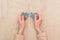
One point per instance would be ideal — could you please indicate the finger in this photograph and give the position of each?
(20, 18)
(35, 18)
(23, 18)
(40, 18)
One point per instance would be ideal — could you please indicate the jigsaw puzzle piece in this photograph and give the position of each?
(32, 15)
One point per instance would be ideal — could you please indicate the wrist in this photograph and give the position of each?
(38, 30)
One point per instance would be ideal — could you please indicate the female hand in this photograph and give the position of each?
(37, 22)
(21, 25)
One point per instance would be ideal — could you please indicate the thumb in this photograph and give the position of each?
(22, 18)
(35, 18)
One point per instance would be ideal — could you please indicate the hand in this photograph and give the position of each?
(21, 22)
(42, 36)
(37, 22)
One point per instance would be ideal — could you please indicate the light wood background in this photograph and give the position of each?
(10, 10)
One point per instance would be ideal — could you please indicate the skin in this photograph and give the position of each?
(41, 35)
(37, 22)
(21, 24)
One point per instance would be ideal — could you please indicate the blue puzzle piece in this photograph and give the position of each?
(25, 14)
(32, 15)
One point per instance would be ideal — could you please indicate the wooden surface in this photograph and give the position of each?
(10, 10)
